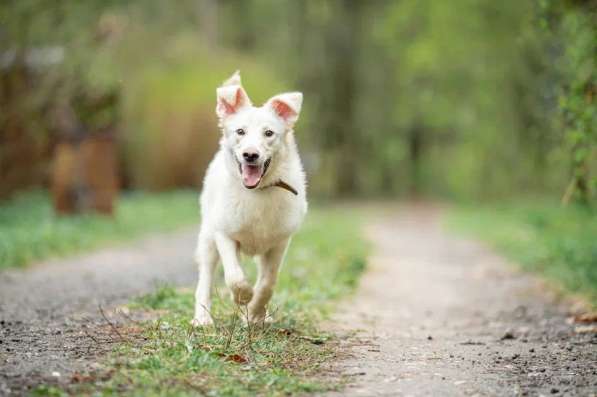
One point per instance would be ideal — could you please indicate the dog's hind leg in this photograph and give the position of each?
(206, 257)
(229, 251)
(269, 264)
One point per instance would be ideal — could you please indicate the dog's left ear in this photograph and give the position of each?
(287, 106)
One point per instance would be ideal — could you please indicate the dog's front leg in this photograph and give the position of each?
(242, 292)
(207, 258)
(269, 263)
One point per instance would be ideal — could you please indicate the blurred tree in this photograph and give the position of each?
(574, 27)
(46, 48)
(342, 46)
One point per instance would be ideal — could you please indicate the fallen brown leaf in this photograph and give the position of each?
(81, 378)
(237, 358)
(587, 318)
(284, 331)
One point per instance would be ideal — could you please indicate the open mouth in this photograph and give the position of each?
(252, 174)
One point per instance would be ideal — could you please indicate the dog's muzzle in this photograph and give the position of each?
(252, 174)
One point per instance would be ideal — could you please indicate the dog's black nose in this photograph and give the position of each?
(250, 157)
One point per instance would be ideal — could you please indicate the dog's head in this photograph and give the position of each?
(254, 135)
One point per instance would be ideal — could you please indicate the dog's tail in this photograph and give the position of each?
(233, 80)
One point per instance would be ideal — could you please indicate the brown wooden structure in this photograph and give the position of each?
(85, 175)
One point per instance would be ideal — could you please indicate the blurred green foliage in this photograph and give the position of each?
(30, 231)
(424, 98)
(463, 99)
(575, 24)
(557, 242)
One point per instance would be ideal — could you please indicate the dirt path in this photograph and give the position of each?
(442, 316)
(50, 319)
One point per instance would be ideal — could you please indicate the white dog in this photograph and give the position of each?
(253, 200)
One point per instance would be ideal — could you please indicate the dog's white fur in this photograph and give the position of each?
(259, 220)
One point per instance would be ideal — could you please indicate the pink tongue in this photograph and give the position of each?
(251, 175)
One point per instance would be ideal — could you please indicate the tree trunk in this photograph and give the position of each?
(344, 44)
(415, 149)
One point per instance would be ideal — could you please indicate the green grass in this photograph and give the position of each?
(323, 263)
(29, 230)
(558, 243)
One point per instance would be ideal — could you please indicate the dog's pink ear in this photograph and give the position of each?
(287, 106)
(231, 99)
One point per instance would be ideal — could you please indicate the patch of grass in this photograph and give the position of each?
(559, 243)
(323, 263)
(48, 391)
(30, 231)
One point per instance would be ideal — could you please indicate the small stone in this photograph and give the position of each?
(508, 335)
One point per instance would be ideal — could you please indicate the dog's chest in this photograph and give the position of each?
(264, 220)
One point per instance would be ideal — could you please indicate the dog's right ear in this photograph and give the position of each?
(232, 97)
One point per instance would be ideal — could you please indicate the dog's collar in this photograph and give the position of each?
(283, 185)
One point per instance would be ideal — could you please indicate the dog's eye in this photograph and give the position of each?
(269, 133)
(240, 131)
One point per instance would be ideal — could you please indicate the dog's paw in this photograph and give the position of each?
(202, 321)
(242, 292)
(258, 317)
